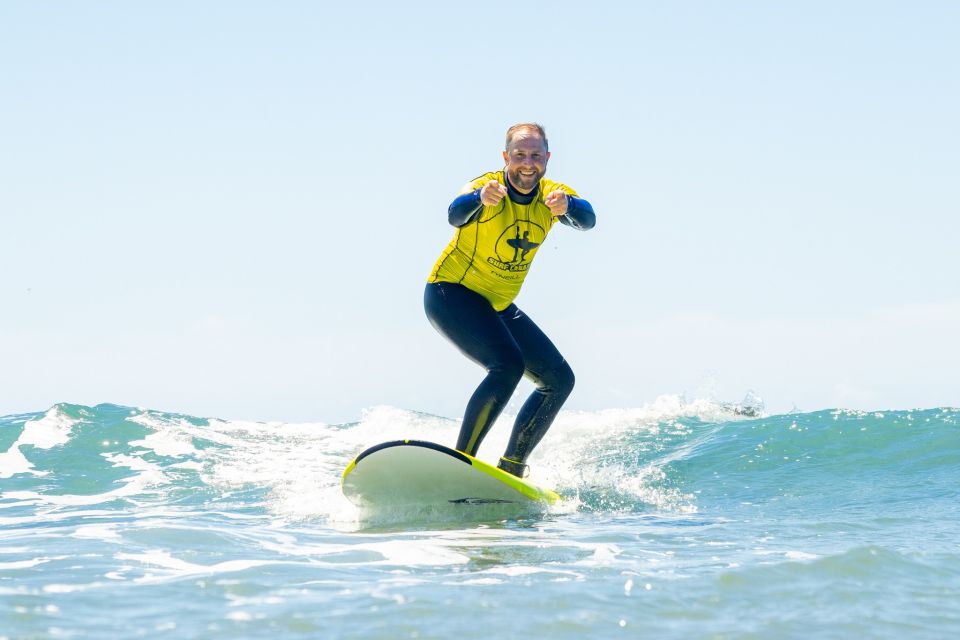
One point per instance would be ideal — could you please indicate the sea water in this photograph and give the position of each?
(679, 520)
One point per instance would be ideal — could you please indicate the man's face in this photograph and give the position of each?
(526, 161)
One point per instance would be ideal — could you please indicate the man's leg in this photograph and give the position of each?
(466, 319)
(553, 377)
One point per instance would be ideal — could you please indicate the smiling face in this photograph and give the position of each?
(526, 161)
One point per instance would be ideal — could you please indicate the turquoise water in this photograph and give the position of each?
(680, 520)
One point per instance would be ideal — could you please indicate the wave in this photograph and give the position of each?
(839, 459)
(671, 456)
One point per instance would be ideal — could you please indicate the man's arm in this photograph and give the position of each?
(464, 208)
(579, 214)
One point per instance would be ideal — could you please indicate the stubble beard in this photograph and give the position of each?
(524, 183)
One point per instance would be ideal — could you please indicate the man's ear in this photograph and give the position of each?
(506, 158)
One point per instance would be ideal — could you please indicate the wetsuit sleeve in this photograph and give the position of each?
(464, 208)
(579, 214)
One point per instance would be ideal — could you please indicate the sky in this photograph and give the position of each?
(230, 208)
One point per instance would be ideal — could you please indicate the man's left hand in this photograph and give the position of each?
(557, 202)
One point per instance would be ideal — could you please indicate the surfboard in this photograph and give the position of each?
(417, 473)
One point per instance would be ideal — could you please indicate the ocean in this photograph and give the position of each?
(680, 519)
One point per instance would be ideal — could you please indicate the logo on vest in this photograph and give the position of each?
(516, 245)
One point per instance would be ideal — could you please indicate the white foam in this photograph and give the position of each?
(293, 462)
(149, 474)
(604, 553)
(480, 582)
(14, 549)
(51, 430)
(13, 462)
(414, 553)
(522, 570)
(239, 616)
(583, 451)
(191, 466)
(167, 444)
(64, 588)
(25, 564)
(42, 517)
(404, 553)
(105, 532)
(299, 465)
(176, 568)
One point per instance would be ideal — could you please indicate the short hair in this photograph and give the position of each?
(527, 127)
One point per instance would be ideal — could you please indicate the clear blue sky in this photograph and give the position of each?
(230, 208)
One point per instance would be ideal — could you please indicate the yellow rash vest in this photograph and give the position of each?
(491, 254)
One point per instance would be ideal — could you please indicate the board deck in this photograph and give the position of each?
(417, 473)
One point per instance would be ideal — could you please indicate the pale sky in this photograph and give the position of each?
(230, 208)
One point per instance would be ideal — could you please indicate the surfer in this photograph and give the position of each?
(501, 219)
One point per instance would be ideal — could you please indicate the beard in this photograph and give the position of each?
(524, 183)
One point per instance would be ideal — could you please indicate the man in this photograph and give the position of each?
(502, 218)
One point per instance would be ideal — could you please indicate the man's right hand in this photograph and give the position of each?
(492, 193)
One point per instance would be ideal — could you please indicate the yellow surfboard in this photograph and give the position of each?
(416, 473)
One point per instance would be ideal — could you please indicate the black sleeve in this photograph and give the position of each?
(579, 214)
(464, 208)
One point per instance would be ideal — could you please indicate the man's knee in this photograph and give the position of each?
(510, 368)
(559, 380)
(567, 378)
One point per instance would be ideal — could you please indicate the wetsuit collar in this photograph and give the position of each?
(516, 196)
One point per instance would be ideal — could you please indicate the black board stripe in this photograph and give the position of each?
(453, 453)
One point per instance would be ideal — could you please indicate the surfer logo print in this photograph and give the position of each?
(492, 254)
(517, 245)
